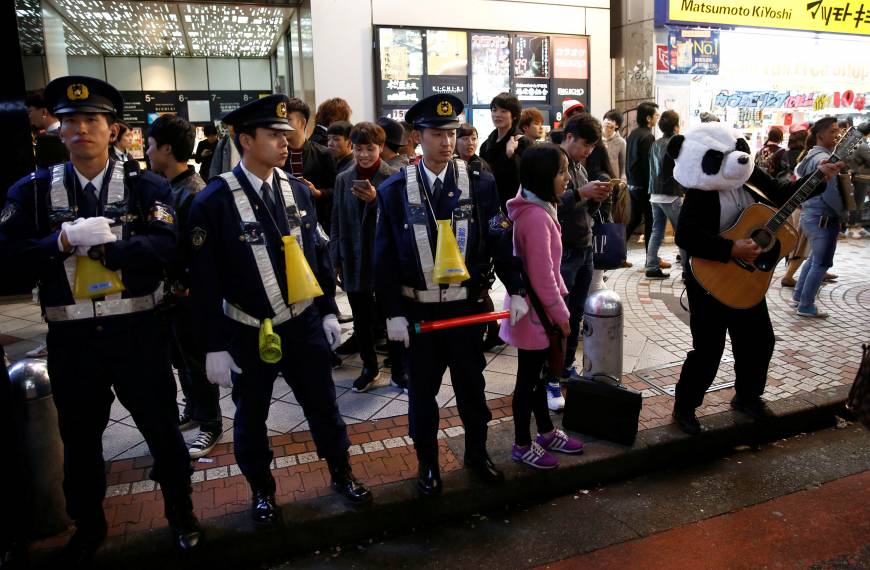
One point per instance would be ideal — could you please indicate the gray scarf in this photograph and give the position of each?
(550, 208)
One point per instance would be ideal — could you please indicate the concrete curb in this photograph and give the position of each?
(322, 523)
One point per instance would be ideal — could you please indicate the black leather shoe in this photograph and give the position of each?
(429, 479)
(263, 509)
(484, 468)
(686, 421)
(82, 546)
(186, 532)
(755, 408)
(344, 483)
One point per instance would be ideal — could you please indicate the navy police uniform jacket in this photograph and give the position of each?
(28, 233)
(223, 265)
(490, 239)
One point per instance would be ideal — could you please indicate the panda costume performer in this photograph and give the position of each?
(713, 163)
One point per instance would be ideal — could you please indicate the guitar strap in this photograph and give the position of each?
(761, 196)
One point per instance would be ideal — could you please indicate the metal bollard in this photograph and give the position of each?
(37, 432)
(602, 335)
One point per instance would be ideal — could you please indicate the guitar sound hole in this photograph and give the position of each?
(763, 238)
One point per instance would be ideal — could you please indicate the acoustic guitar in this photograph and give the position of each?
(742, 284)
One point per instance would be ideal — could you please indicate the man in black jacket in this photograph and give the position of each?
(504, 146)
(638, 146)
(310, 162)
(170, 143)
(582, 133)
(666, 194)
(49, 149)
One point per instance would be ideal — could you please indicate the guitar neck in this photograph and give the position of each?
(798, 197)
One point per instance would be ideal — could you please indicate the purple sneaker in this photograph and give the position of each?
(535, 456)
(560, 441)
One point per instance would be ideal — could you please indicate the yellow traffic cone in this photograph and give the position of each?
(449, 265)
(93, 279)
(301, 282)
(270, 343)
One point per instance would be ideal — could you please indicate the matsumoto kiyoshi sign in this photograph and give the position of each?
(831, 16)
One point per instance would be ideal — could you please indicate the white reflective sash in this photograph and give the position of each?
(271, 287)
(293, 217)
(58, 196)
(59, 205)
(421, 226)
(116, 185)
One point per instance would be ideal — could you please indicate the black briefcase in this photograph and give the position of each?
(602, 408)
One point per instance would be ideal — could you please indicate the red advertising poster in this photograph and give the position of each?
(661, 57)
(570, 58)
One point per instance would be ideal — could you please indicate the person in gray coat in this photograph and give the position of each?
(351, 246)
(225, 156)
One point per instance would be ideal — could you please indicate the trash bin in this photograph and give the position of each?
(602, 335)
(41, 450)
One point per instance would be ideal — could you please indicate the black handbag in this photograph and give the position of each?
(603, 408)
(608, 244)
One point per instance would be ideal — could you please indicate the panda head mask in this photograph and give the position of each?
(711, 156)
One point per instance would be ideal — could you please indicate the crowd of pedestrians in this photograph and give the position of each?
(365, 203)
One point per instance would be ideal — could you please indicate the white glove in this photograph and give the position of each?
(87, 232)
(518, 309)
(332, 330)
(218, 366)
(397, 330)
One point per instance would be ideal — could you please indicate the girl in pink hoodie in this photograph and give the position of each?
(538, 242)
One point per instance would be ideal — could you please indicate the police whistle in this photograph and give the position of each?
(429, 326)
(270, 343)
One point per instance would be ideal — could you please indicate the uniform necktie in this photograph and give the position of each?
(91, 200)
(266, 191)
(436, 190)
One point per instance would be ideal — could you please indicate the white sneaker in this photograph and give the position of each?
(555, 399)
(203, 444)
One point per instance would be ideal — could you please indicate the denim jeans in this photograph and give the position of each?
(823, 244)
(576, 272)
(661, 213)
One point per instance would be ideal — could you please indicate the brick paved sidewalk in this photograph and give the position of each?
(810, 355)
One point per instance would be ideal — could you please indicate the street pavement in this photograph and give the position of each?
(813, 359)
(795, 503)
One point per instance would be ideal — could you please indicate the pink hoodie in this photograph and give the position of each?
(538, 242)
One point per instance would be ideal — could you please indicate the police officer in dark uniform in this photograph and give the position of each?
(239, 280)
(409, 202)
(53, 220)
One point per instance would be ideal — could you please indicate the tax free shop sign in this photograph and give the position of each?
(825, 16)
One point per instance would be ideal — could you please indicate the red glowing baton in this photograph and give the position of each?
(424, 327)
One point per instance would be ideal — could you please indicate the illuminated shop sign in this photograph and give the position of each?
(847, 99)
(829, 16)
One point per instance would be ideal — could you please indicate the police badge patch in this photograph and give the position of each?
(7, 214)
(161, 213)
(499, 223)
(197, 237)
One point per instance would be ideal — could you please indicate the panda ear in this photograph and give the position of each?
(674, 146)
(742, 145)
